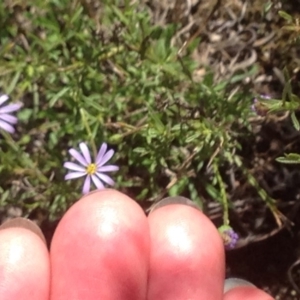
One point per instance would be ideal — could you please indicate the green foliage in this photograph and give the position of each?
(290, 102)
(291, 158)
(292, 25)
(109, 75)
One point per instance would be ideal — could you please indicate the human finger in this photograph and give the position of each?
(100, 249)
(247, 293)
(186, 254)
(239, 289)
(24, 261)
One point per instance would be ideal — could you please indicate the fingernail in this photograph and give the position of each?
(24, 223)
(174, 200)
(231, 283)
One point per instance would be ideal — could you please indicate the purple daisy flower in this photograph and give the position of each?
(92, 170)
(6, 119)
(229, 236)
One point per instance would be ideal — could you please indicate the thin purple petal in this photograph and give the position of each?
(109, 168)
(107, 156)
(85, 152)
(73, 175)
(9, 118)
(3, 98)
(78, 156)
(10, 108)
(74, 167)
(7, 127)
(101, 153)
(86, 185)
(97, 182)
(105, 178)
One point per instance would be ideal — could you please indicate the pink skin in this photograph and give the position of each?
(24, 265)
(184, 253)
(105, 255)
(106, 248)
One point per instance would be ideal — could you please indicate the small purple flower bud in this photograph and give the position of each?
(257, 107)
(229, 236)
(254, 102)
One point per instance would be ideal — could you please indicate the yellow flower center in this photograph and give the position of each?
(91, 169)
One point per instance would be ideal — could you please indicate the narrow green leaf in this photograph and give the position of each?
(289, 27)
(295, 121)
(160, 127)
(14, 82)
(120, 16)
(76, 15)
(213, 192)
(285, 15)
(291, 158)
(268, 6)
(179, 187)
(287, 90)
(56, 97)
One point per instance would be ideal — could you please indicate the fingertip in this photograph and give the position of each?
(246, 293)
(24, 261)
(20, 222)
(187, 255)
(101, 249)
(233, 282)
(174, 200)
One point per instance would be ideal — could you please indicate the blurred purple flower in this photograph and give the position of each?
(254, 102)
(92, 170)
(229, 236)
(6, 119)
(255, 107)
